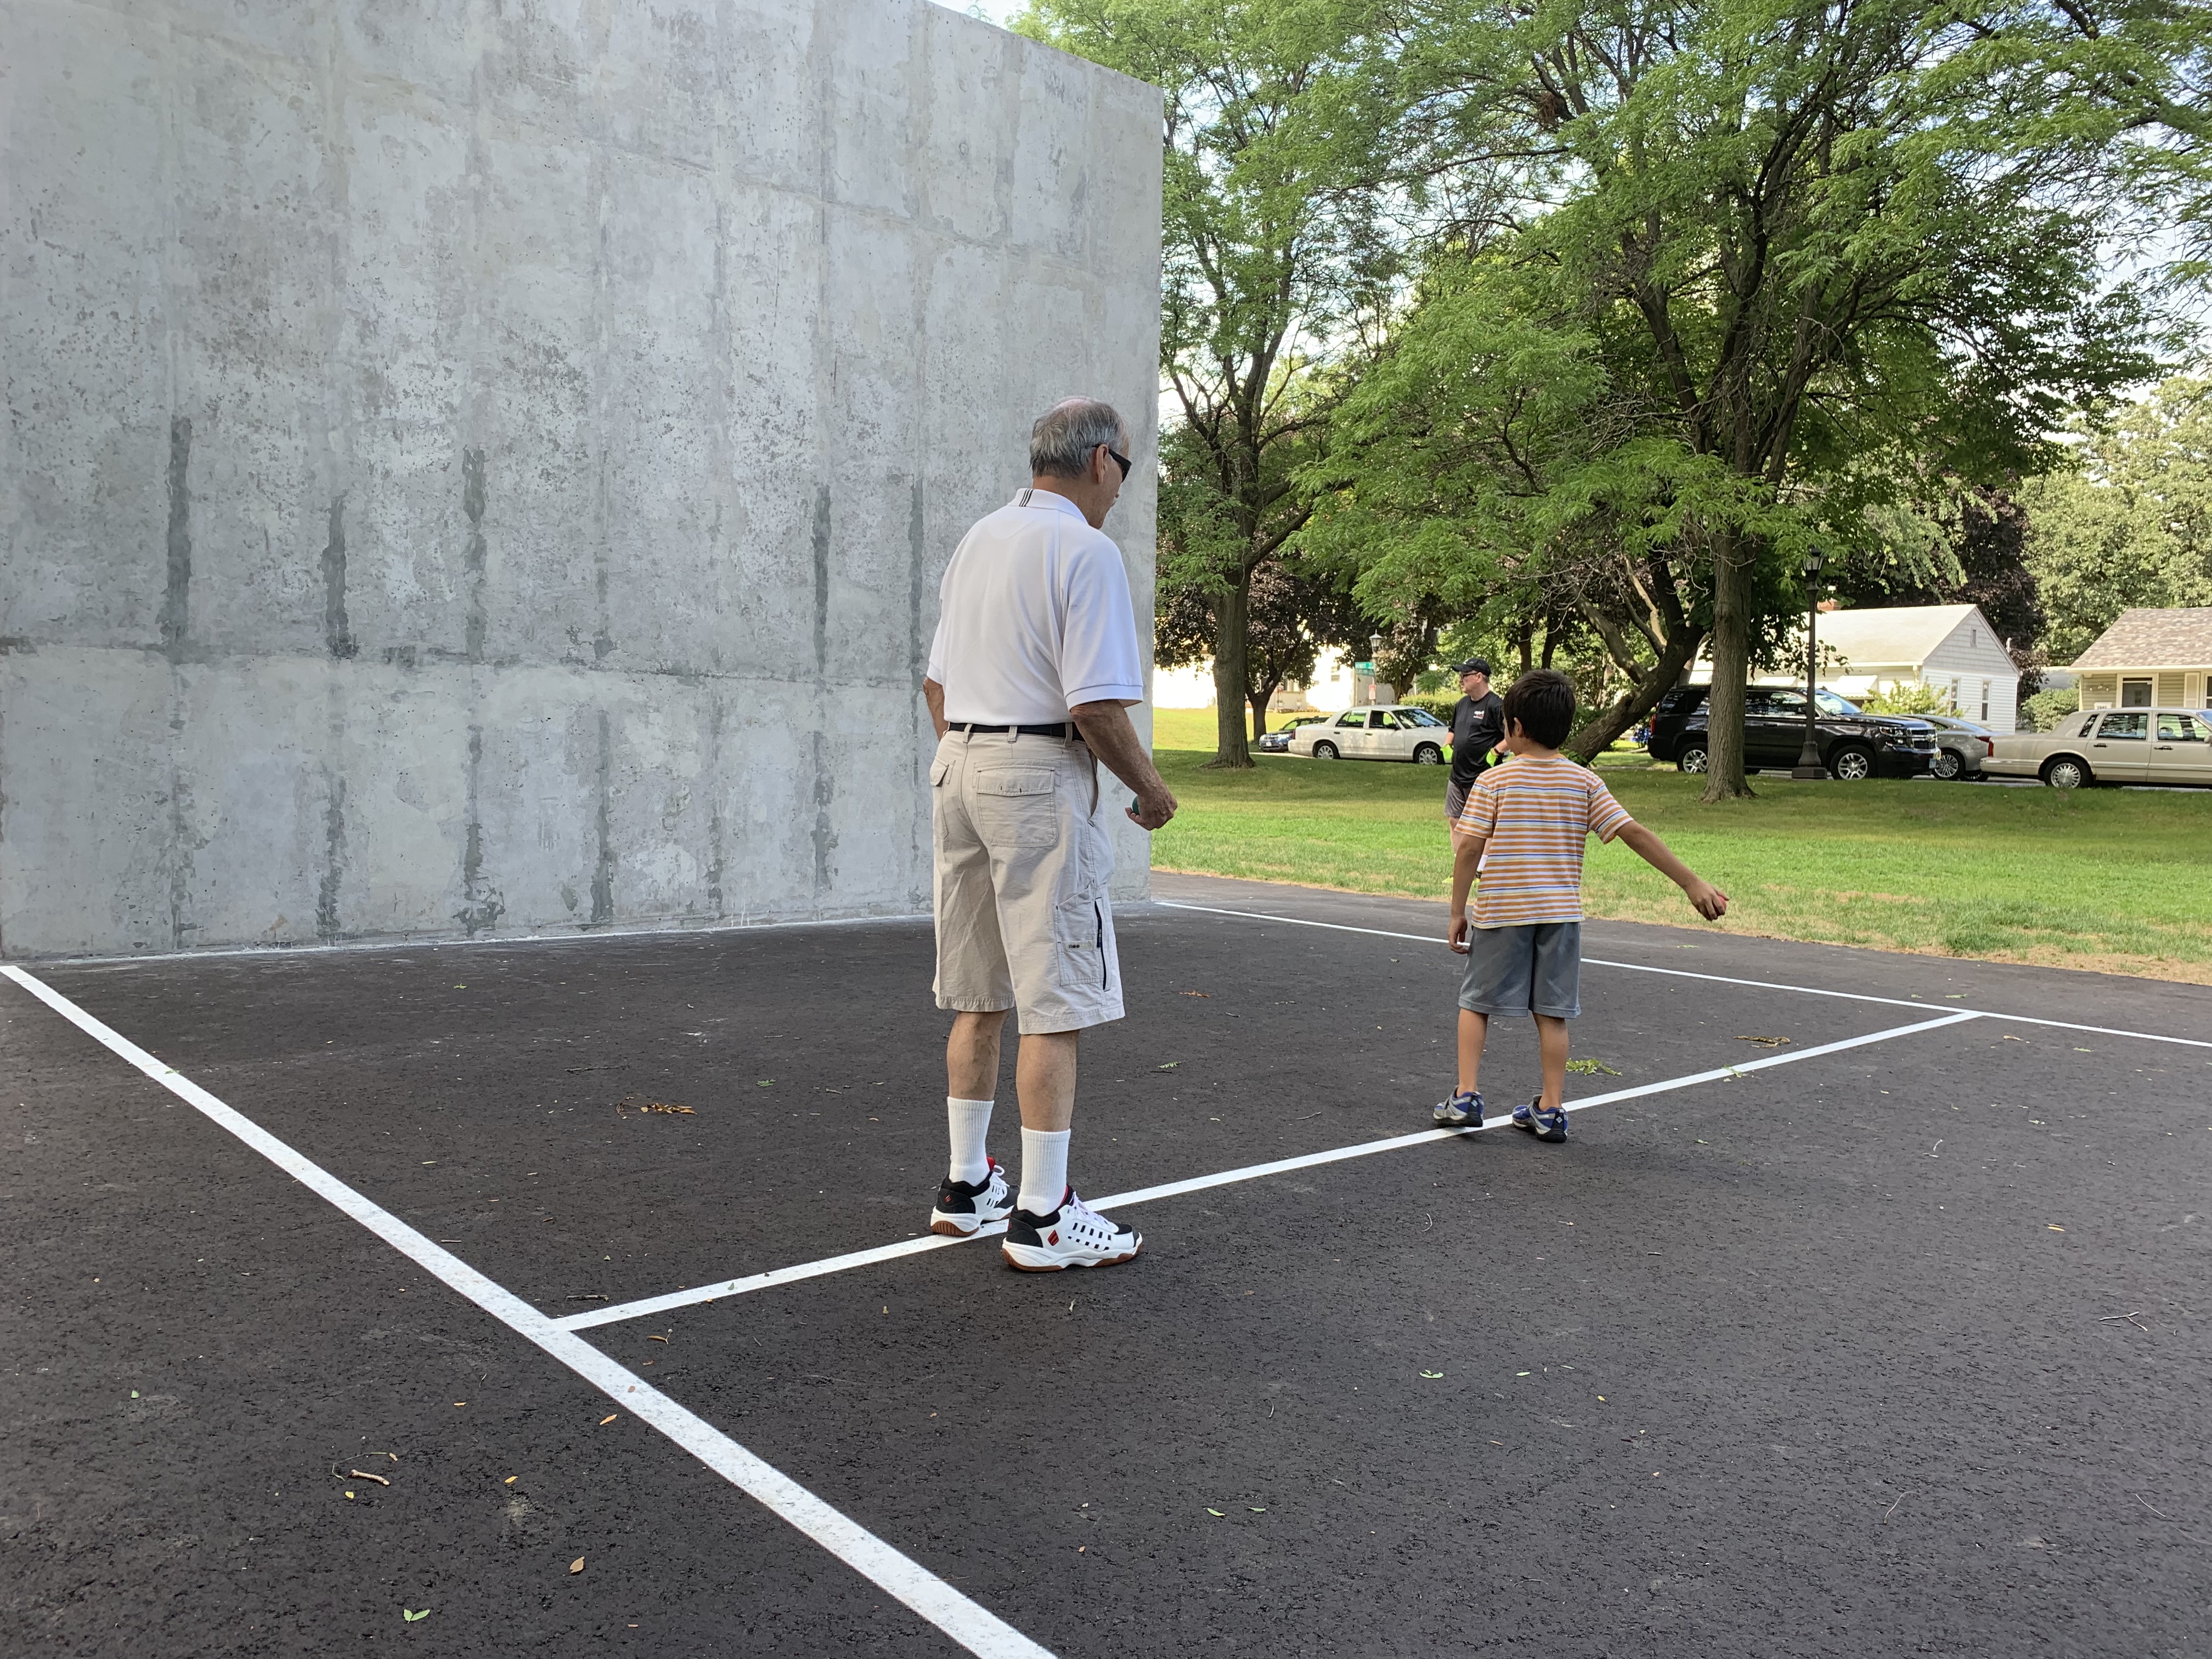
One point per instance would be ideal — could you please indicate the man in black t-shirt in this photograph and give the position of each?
(1477, 733)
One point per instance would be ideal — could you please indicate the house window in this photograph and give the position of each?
(1986, 702)
(2135, 694)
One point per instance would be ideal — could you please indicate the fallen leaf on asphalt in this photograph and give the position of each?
(457, 1403)
(1519, 1373)
(576, 1565)
(1432, 1375)
(1765, 1042)
(2058, 1230)
(1169, 1066)
(363, 1474)
(348, 1494)
(763, 1083)
(510, 1479)
(1196, 993)
(608, 1418)
(1591, 1068)
(656, 1339)
(411, 1617)
(1255, 1510)
(1219, 1512)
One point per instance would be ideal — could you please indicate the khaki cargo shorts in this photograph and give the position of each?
(1022, 858)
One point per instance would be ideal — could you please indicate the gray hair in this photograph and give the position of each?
(1066, 436)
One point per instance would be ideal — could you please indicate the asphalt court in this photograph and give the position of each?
(1854, 1317)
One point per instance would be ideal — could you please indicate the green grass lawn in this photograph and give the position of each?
(2100, 879)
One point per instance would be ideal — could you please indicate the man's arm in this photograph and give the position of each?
(1466, 858)
(1105, 727)
(933, 695)
(1707, 899)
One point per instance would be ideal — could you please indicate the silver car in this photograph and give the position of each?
(1962, 746)
(1379, 732)
(2111, 745)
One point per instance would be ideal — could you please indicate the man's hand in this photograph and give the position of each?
(1455, 935)
(1106, 729)
(1707, 899)
(1152, 809)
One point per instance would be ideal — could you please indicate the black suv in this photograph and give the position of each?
(1853, 745)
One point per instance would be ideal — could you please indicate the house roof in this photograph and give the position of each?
(1898, 633)
(2154, 639)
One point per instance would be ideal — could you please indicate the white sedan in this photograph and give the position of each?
(1378, 732)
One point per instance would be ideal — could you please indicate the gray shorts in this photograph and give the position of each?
(1454, 803)
(1533, 970)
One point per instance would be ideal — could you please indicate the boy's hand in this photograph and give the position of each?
(1707, 899)
(1455, 936)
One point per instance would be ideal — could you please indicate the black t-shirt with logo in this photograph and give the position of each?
(1477, 725)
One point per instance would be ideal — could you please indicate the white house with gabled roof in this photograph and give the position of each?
(1950, 648)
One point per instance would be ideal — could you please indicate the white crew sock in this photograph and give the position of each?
(1044, 1170)
(970, 1123)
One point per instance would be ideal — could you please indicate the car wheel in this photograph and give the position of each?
(1947, 764)
(1324, 751)
(1428, 754)
(1691, 759)
(1850, 763)
(2067, 772)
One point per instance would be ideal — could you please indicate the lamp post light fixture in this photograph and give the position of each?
(1374, 665)
(1808, 757)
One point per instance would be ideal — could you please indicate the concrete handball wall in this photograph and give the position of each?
(480, 467)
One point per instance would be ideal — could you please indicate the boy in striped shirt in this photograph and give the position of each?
(1523, 831)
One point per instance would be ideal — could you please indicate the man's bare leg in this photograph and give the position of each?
(1044, 1077)
(971, 1055)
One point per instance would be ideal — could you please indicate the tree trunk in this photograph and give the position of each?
(1643, 693)
(1260, 709)
(1231, 619)
(1550, 644)
(1527, 645)
(1731, 669)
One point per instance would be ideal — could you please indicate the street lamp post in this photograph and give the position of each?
(1808, 757)
(1374, 665)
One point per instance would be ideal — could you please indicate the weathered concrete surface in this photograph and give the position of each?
(483, 468)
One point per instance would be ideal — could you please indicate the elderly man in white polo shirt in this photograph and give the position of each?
(1034, 666)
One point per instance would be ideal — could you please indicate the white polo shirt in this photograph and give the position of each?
(1035, 618)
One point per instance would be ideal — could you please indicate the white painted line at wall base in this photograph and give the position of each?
(622, 1310)
(1715, 979)
(978, 1631)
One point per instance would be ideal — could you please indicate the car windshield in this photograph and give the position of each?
(1832, 704)
(1417, 717)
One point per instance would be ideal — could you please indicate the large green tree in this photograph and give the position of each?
(1814, 252)
(1275, 255)
(2131, 523)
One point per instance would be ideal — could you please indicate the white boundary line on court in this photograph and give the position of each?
(837, 1264)
(980, 1632)
(1716, 979)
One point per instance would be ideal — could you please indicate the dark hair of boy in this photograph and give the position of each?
(1542, 702)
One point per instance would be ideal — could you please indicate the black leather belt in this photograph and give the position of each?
(1066, 729)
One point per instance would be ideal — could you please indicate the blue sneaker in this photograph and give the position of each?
(1545, 1126)
(1462, 1110)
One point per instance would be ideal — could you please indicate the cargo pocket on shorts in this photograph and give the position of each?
(1079, 927)
(938, 773)
(1016, 807)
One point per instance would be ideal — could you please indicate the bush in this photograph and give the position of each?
(1907, 697)
(2047, 708)
(1439, 704)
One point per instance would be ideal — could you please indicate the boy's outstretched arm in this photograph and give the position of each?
(1466, 858)
(1706, 899)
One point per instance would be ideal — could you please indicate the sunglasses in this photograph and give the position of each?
(1119, 460)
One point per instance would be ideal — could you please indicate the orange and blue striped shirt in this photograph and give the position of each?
(1533, 816)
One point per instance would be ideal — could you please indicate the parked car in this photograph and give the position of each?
(1962, 746)
(2111, 745)
(1853, 745)
(1278, 741)
(1388, 732)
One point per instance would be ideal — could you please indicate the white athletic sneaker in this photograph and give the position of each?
(965, 1208)
(1073, 1235)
